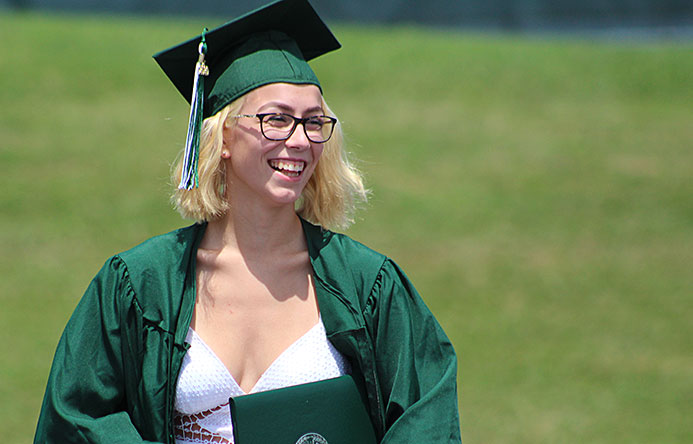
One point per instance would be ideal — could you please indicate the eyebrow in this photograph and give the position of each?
(286, 108)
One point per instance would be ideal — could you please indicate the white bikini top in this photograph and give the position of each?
(202, 413)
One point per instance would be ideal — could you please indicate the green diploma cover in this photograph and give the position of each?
(332, 411)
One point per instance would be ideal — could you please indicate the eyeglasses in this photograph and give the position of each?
(280, 126)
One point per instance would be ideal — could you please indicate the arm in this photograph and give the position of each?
(416, 364)
(85, 396)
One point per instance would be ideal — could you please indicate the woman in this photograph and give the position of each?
(255, 295)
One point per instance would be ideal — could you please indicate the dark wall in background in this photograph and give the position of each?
(492, 14)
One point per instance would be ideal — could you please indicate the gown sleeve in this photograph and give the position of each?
(415, 361)
(84, 400)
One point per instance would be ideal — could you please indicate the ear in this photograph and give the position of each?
(227, 134)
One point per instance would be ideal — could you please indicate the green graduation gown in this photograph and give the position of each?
(113, 379)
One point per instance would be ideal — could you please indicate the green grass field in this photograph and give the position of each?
(538, 192)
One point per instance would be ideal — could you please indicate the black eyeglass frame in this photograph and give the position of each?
(297, 120)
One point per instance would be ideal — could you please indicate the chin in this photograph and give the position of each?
(288, 198)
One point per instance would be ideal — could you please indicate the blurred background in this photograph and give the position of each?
(530, 165)
(563, 15)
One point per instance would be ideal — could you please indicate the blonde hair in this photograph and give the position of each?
(330, 198)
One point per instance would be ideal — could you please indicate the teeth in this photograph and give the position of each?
(287, 166)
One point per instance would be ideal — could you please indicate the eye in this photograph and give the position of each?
(315, 123)
(278, 120)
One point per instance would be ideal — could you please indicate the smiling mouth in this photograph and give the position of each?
(290, 168)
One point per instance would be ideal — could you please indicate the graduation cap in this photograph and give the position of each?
(269, 45)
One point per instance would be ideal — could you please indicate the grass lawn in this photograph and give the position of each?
(537, 191)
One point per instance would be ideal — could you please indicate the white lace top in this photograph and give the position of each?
(202, 412)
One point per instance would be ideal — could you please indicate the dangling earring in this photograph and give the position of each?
(222, 179)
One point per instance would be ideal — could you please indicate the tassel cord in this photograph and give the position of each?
(189, 176)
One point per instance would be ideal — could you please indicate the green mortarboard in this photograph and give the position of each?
(269, 45)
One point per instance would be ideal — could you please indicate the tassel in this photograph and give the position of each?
(189, 178)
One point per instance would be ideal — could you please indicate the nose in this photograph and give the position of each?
(299, 139)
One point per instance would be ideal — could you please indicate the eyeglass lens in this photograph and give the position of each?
(318, 129)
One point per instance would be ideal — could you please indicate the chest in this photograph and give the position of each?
(249, 315)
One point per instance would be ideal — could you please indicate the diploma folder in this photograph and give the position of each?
(332, 411)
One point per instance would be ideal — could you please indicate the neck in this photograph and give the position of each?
(255, 231)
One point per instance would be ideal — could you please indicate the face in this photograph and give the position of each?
(274, 171)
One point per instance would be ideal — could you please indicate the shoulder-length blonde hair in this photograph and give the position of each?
(329, 199)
